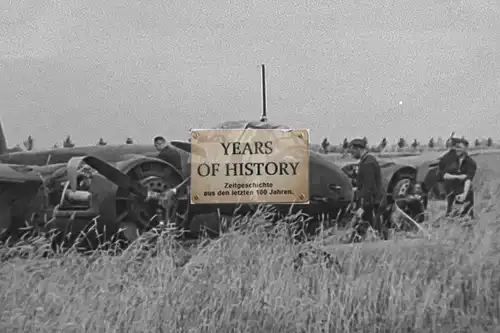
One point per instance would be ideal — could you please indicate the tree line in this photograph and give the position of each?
(29, 143)
(402, 143)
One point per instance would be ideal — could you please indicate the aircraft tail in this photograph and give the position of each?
(3, 141)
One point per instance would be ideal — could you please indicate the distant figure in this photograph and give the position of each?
(345, 144)
(168, 153)
(401, 143)
(431, 143)
(324, 145)
(489, 142)
(383, 144)
(450, 140)
(29, 143)
(370, 189)
(68, 143)
(458, 169)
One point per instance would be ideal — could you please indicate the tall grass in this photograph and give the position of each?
(251, 281)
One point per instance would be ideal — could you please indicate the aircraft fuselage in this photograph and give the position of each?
(110, 154)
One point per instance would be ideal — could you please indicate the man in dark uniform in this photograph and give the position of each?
(447, 164)
(457, 169)
(167, 153)
(370, 191)
(171, 202)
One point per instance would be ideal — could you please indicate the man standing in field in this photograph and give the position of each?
(447, 164)
(370, 190)
(458, 169)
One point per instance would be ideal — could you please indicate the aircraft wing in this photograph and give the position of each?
(14, 173)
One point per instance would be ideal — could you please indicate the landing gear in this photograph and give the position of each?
(402, 188)
(137, 215)
(407, 203)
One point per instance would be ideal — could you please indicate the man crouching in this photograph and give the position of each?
(370, 190)
(458, 169)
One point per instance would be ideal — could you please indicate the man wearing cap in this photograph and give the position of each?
(370, 189)
(458, 169)
(168, 153)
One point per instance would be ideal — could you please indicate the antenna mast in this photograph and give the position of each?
(263, 117)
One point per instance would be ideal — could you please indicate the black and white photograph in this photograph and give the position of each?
(384, 217)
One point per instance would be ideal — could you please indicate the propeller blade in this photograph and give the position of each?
(116, 176)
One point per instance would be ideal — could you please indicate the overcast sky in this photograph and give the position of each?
(141, 68)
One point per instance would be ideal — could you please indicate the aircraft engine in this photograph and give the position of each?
(105, 194)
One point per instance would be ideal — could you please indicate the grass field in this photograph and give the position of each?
(249, 282)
